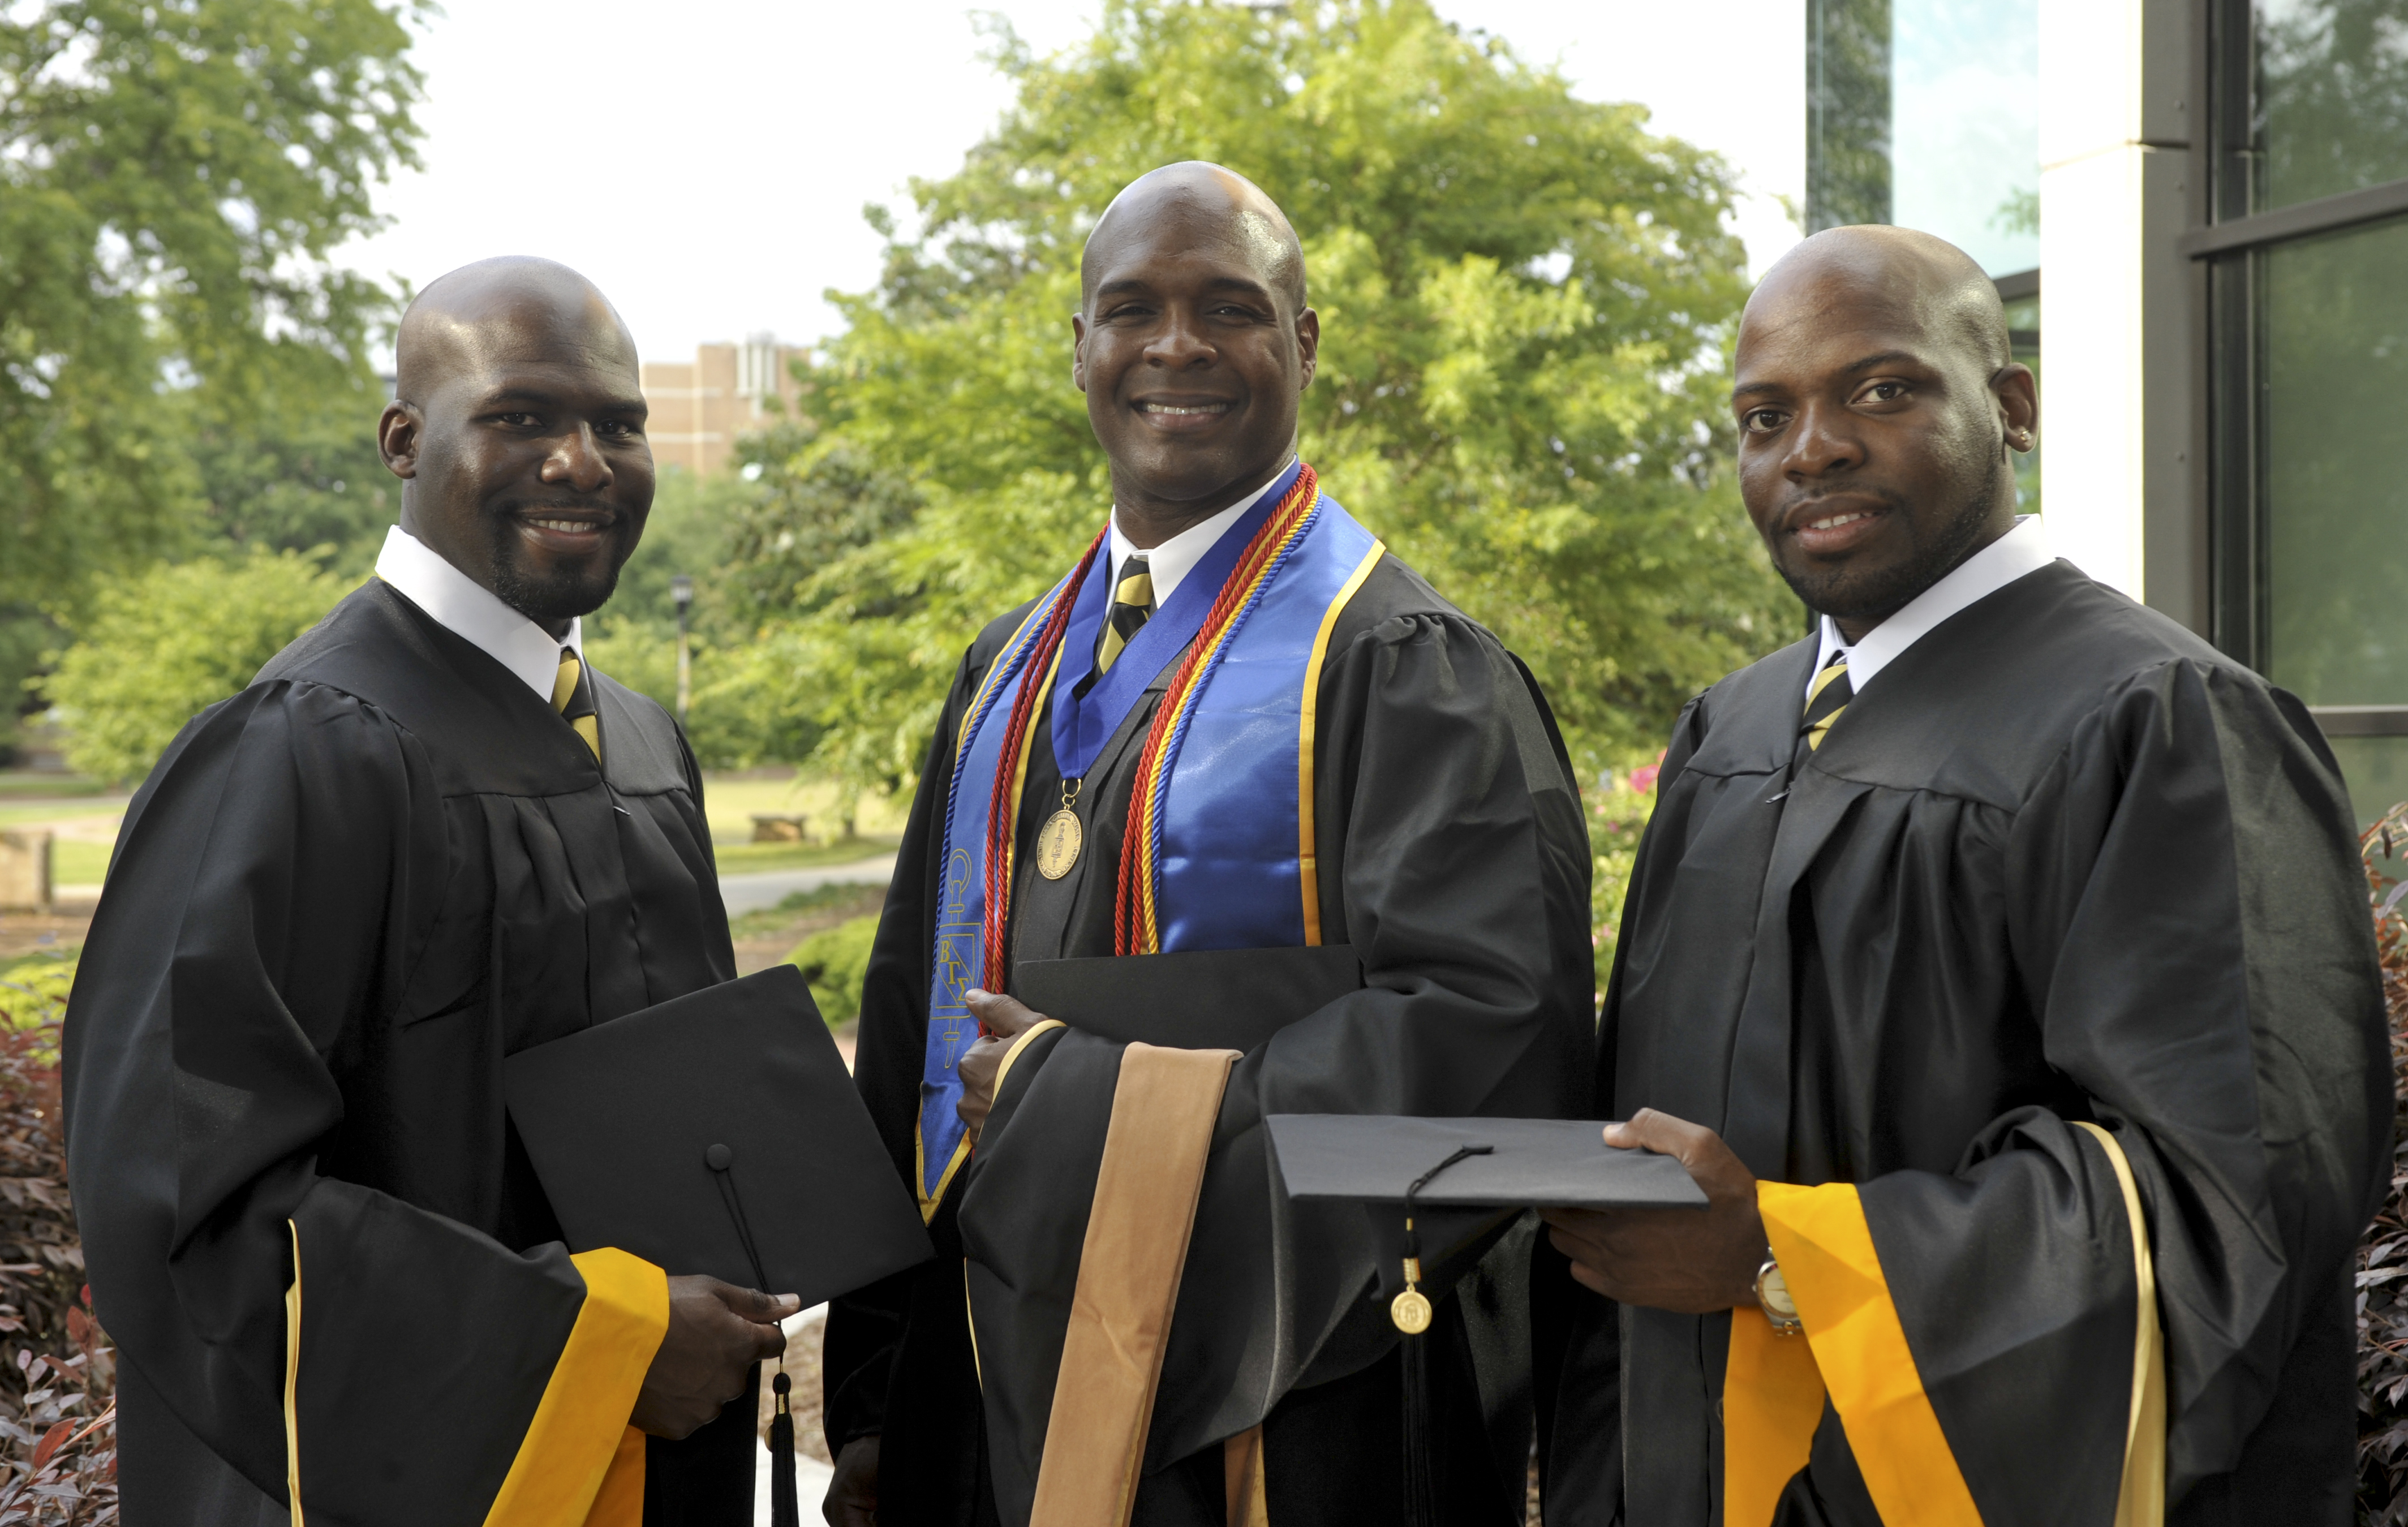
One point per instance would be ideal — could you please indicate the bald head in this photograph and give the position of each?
(517, 428)
(512, 305)
(1206, 197)
(1922, 277)
(1879, 410)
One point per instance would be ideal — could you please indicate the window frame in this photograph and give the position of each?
(2233, 245)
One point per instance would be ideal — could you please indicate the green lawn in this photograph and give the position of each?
(754, 857)
(730, 804)
(23, 783)
(78, 864)
(34, 815)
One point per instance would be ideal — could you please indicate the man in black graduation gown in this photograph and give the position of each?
(1998, 960)
(425, 837)
(1449, 850)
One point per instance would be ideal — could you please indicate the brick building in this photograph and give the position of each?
(700, 406)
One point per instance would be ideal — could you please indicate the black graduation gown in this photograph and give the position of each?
(1456, 859)
(2061, 861)
(341, 898)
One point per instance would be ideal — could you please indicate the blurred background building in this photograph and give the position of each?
(699, 406)
(2217, 192)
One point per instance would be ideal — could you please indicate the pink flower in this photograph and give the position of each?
(1643, 779)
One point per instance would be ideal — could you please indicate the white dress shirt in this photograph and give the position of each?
(460, 605)
(2021, 551)
(1169, 563)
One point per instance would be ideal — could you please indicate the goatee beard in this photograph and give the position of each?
(1844, 596)
(564, 594)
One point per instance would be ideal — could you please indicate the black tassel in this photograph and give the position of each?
(1421, 1489)
(1412, 1313)
(784, 1511)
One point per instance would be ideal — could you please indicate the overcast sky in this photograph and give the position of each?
(706, 163)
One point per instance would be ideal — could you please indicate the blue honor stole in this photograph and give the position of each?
(1224, 815)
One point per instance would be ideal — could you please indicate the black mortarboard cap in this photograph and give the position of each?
(718, 1133)
(1461, 1164)
(1533, 1163)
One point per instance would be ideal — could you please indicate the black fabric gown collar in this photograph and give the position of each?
(487, 731)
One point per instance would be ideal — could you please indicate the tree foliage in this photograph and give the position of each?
(173, 176)
(177, 639)
(1527, 301)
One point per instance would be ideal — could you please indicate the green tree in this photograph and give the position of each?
(167, 644)
(300, 476)
(173, 176)
(1527, 301)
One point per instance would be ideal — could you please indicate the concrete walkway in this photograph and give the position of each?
(753, 893)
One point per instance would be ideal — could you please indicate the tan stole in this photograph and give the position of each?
(1153, 1172)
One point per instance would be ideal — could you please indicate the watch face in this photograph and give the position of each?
(1772, 1293)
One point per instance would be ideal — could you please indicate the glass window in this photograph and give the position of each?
(1926, 113)
(2375, 769)
(1965, 126)
(2310, 339)
(2330, 107)
(2335, 497)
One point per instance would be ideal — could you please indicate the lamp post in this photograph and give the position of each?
(681, 595)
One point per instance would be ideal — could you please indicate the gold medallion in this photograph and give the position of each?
(1411, 1311)
(1058, 844)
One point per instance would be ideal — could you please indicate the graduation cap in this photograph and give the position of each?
(1500, 1163)
(718, 1133)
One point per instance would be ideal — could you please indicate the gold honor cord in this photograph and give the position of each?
(2141, 1500)
(292, 1381)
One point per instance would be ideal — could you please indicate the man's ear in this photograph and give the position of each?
(1308, 345)
(2018, 396)
(1079, 351)
(397, 438)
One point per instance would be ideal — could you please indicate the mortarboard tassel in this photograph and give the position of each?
(783, 1509)
(1412, 1313)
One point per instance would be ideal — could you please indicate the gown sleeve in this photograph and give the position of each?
(2184, 902)
(865, 1328)
(275, 879)
(1464, 890)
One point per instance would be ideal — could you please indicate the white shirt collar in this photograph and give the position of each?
(2021, 551)
(1170, 563)
(467, 609)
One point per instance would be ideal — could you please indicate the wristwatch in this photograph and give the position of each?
(1772, 1297)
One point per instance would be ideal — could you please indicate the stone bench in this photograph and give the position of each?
(25, 871)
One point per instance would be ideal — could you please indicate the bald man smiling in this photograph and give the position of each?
(425, 837)
(1127, 1316)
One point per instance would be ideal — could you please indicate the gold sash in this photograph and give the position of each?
(1164, 1108)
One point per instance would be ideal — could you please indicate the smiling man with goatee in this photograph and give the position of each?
(1236, 817)
(426, 838)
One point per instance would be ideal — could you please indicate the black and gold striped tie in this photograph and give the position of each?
(573, 697)
(1826, 698)
(1132, 607)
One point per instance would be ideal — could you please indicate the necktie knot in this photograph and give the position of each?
(1132, 607)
